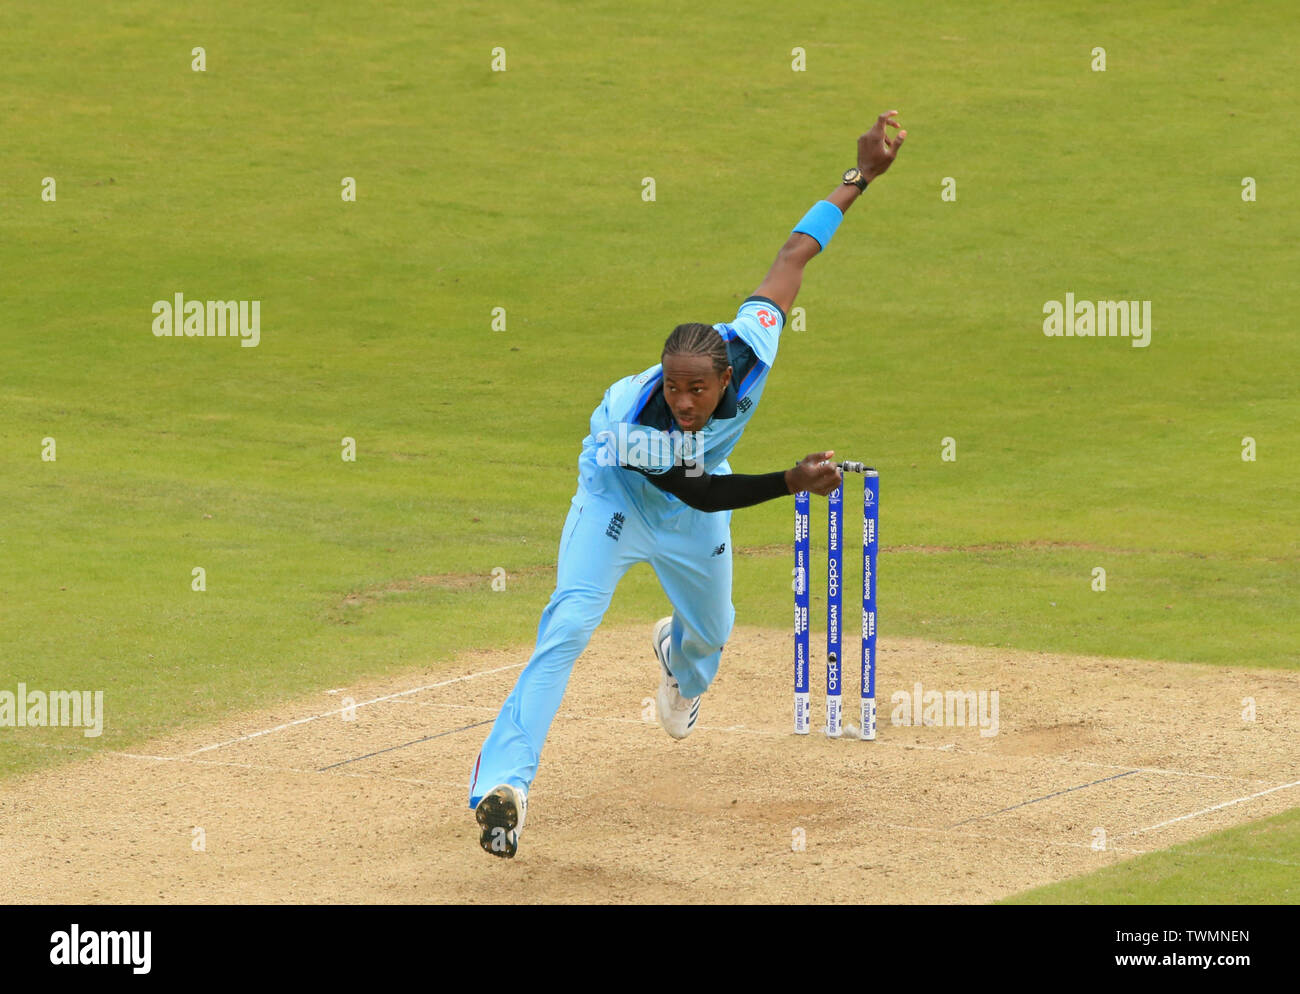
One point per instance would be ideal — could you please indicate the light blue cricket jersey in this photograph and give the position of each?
(634, 409)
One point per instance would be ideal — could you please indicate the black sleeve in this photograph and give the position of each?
(723, 492)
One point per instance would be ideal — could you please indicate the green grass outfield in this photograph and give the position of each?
(522, 190)
(1256, 863)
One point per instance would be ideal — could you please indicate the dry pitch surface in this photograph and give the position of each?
(297, 804)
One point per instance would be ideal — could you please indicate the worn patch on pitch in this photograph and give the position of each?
(359, 794)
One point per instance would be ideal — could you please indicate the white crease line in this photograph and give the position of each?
(261, 767)
(377, 700)
(1040, 842)
(1160, 769)
(950, 749)
(735, 728)
(269, 768)
(574, 716)
(1110, 846)
(1216, 807)
(1008, 838)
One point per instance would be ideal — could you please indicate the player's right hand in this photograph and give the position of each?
(816, 473)
(876, 152)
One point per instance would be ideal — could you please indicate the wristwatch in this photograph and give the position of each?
(855, 177)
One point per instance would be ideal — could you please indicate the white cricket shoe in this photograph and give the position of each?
(676, 713)
(500, 815)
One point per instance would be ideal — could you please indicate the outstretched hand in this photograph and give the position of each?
(815, 473)
(876, 152)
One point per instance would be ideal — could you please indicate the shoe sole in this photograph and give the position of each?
(498, 817)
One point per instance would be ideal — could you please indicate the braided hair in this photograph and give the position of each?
(701, 340)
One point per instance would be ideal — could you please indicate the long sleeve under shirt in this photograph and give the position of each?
(718, 492)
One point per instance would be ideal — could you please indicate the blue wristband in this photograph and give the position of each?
(820, 222)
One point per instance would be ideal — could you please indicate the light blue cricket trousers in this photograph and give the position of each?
(603, 536)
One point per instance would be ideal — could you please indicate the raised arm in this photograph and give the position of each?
(876, 153)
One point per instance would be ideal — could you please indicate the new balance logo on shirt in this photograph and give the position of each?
(719, 550)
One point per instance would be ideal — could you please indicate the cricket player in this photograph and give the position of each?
(654, 486)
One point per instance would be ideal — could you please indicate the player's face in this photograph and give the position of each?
(693, 388)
